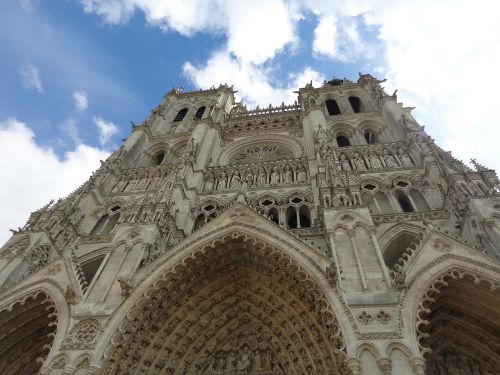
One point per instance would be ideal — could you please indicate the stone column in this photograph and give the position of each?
(334, 256)
(354, 365)
(358, 260)
(385, 365)
(418, 365)
(380, 258)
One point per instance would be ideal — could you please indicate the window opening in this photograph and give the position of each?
(181, 114)
(343, 141)
(332, 107)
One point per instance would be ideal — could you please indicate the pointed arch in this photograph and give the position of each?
(33, 322)
(233, 265)
(438, 305)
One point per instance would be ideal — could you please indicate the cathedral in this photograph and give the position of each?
(330, 236)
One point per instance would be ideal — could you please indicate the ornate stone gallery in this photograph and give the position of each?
(330, 236)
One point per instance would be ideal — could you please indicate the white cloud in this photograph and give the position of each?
(106, 130)
(256, 30)
(251, 81)
(32, 174)
(80, 99)
(30, 76)
(441, 55)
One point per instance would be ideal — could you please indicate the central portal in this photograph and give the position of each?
(239, 306)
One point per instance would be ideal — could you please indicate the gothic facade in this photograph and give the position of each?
(329, 236)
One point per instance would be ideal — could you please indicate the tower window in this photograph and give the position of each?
(200, 112)
(355, 104)
(332, 107)
(159, 158)
(180, 115)
(343, 141)
(371, 137)
(404, 202)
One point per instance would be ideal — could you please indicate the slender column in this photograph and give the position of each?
(384, 365)
(358, 260)
(380, 257)
(354, 365)
(298, 217)
(126, 251)
(334, 256)
(418, 365)
(411, 201)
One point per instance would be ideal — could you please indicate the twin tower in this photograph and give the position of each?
(328, 236)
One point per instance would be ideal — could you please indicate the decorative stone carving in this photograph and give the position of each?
(383, 317)
(365, 318)
(83, 334)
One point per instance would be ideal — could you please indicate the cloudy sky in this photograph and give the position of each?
(73, 74)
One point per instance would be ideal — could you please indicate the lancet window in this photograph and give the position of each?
(180, 115)
(199, 112)
(332, 107)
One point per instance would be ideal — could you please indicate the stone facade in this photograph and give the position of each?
(330, 236)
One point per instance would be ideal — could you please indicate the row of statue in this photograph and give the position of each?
(247, 178)
(245, 361)
(375, 160)
(139, 180)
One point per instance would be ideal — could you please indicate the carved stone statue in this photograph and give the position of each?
(287, 174)
(221, 186)
(359, 163)
(275, 176)
(236, 180)
(344, 163)
(375, 162)
(390, 161)
(301, 174)
(261, 177)
(405, 158)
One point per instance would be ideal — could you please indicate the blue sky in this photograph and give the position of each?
(74, 73)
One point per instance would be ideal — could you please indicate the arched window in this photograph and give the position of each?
(383, 202)
(100, 224)
(200, 220)
(343, 141)
(180, 115)
(291, 218)
(404, 202)
(332, 107)
(304, 217)
(273, 215)
(398, 246)
(371, 137)
(158, 158)
(91, 267)
(419, 200)
(110, 225)
(355, 103)
(200, 112)
(106, 223)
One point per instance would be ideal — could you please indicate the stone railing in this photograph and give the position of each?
(266, 174)
(270, 110)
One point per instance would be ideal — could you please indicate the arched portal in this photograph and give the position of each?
(238, 306)
(26, 334)
(460, 325)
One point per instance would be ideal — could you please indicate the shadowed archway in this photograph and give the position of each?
(27, 331)
(459, 328)
(238, 306)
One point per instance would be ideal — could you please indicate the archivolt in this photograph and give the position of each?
(239, 304)
(27, 330)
